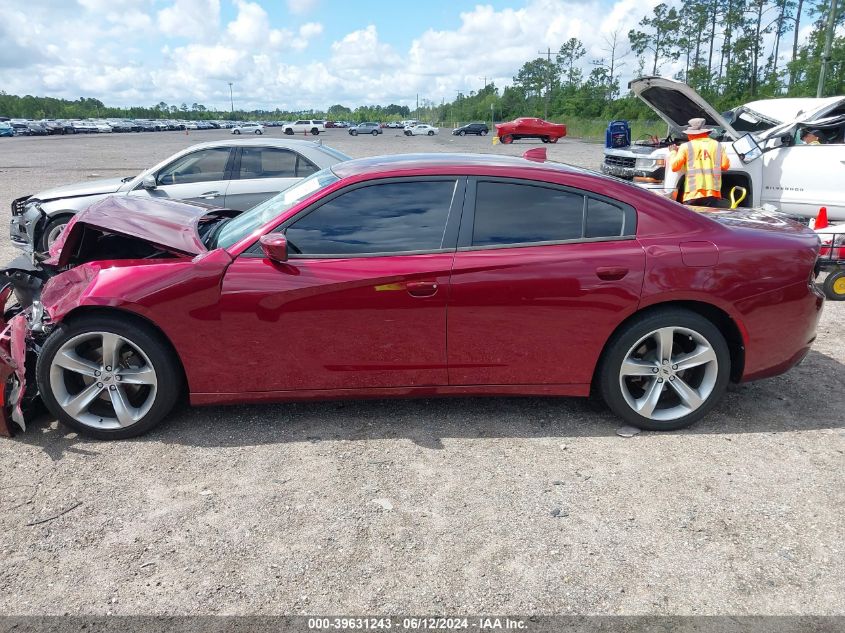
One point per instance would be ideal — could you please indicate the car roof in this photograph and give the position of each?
(472, 163)
(261, 142)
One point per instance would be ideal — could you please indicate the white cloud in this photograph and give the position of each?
(192, 19)
(301, 7)
(361, 51)
(128, 52)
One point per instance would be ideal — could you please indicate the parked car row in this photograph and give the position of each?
(47, 127)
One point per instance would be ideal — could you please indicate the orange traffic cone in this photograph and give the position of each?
(821, 219)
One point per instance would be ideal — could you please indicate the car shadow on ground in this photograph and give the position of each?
(809, 397)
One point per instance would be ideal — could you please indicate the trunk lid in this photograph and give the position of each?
(677, 103)
(757, 219)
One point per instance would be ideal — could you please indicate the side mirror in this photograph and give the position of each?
(747, 149)
(787, 140)
(149, 182)
(275, 247)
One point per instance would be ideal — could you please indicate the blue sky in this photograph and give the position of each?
(291, 54)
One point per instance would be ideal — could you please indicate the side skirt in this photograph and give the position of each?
(570, 390)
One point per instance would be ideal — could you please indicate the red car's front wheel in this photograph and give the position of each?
(108, 377)
(507, 139)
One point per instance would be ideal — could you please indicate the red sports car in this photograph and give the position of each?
(414, 275)
(529, 127)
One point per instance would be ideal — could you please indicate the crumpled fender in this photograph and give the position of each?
(143, 287)
(12, 361)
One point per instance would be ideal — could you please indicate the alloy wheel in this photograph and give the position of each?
(103, 380)
(668, 373)
(54, 234)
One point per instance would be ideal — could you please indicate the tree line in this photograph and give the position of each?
(29, 107)
(730, 51)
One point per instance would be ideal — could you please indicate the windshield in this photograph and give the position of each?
(238, 228)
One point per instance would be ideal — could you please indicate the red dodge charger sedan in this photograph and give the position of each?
(530, 127)
(409, 275)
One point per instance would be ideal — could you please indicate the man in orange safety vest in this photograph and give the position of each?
(704, 161)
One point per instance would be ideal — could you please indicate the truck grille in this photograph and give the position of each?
(620, 161)
(19, 205)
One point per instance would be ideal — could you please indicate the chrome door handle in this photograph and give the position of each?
(208, 195)
(611, 273)
(421, 288)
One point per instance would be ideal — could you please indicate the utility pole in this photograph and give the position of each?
(231, 99)
(548, 52)
(828, 38)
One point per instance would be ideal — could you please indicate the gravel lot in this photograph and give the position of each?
(424, 506)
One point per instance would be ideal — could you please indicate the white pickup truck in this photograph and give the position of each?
(305, 126)
(795, 178)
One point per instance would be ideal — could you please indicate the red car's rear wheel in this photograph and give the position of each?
(665, 370)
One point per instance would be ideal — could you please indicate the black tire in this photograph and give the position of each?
(619, 345)
(462, 133)
(483, 132)
(259, 132)
(237, 131)
(288, 131)
(834, 286)
(52, 225)
(315, 131)
(375, 132)
(545, 139)
(353, 132)
(169, 377)
(507, 139)
(430, 133)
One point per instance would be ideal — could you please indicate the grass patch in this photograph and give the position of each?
(594, 129)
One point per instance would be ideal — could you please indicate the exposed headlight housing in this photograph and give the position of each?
(647, 164)
(38, 318)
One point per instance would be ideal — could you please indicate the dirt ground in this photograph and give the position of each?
(524, 506)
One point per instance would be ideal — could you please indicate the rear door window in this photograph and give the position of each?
(512, 213)
(519, 213)
(267, 162)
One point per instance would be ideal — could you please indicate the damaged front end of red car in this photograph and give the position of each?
(24, 326)
(37, 295)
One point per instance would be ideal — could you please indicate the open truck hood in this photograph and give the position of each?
(677, 103)
(167, 224)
